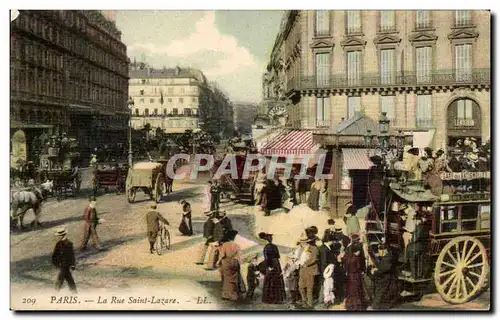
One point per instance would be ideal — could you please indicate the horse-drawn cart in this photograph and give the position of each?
(438, 229)
(148, 176)
(110, 175)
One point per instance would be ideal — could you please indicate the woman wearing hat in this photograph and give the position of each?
(273, 291)
(186, 226)
(229, 262)
(385, 280)
(355, 292)
(313, 201)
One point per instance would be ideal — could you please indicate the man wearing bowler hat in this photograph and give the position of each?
(63, 258)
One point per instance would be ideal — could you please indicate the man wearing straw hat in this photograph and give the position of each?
(63, 258)
(308, 270)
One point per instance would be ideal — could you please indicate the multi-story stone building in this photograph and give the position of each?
(68, 74)
(337, 71)
(425, 69)
(176, 99)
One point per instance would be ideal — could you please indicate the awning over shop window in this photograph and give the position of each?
(356, 159)
(295, 142)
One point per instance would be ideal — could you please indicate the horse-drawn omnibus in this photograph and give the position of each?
(454, 210)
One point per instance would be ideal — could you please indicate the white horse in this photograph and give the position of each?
(30, 198)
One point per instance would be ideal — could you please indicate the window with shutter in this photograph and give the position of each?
(387, 66)
(322, 69)
(463, 63)
(354, 68)
(353, 22)
(462, 18)
(387, 20)
(322, 23)
(424, 111)
(424, 64)
(322, 112)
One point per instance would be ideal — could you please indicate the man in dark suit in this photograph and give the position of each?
(63, 258)
(208, 234)
(152, 219)
(215, 191)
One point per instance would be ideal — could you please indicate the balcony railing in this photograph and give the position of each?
(438, 77)
(322, 123)
(424, 123)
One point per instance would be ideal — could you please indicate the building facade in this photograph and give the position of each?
(68, 74)
(425, 69)
(337, 71)
(176, 100)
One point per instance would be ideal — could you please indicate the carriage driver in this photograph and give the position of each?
(152, 219)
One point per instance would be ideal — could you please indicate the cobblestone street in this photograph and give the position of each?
(125, 264)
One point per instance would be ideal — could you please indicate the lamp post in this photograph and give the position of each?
(386, 144)
(130, 104)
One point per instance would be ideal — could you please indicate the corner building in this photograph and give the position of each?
(68, 74)
(428, 70)
(338, 71)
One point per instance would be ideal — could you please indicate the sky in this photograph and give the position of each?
(230, 47)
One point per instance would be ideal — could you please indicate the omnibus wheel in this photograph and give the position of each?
(461, 270)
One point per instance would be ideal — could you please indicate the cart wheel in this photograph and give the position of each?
(131, 195)
(167, 239)
(158, 192)
(461, 270)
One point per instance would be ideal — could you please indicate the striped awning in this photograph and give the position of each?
(294, 142)
(356, 159)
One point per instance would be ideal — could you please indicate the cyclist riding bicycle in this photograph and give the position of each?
(153, 219)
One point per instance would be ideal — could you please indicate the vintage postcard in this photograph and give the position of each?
(268, 160)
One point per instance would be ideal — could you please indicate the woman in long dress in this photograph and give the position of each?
(186, 226)
(233, 286)
(273, 291)
(355, 292)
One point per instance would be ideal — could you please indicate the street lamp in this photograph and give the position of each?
(390, 149)
(130, 104)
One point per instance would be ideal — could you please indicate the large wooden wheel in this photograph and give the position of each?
(461, 269)
(158, 191)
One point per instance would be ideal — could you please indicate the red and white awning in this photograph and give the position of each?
(295, 142)
(356, 159)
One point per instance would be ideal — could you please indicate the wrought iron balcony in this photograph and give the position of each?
(425, 123)
(323, 124)
(437, 77)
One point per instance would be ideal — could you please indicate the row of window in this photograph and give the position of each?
(42, 56)
(424, 117)
(387, 21)
(387, 65)
(177, 123)
(169, 100)
(175, 112)
(50, 83)
(171, 90)
(45, 117)
(72, 42)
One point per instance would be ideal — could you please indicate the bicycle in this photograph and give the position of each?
(162, 239)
